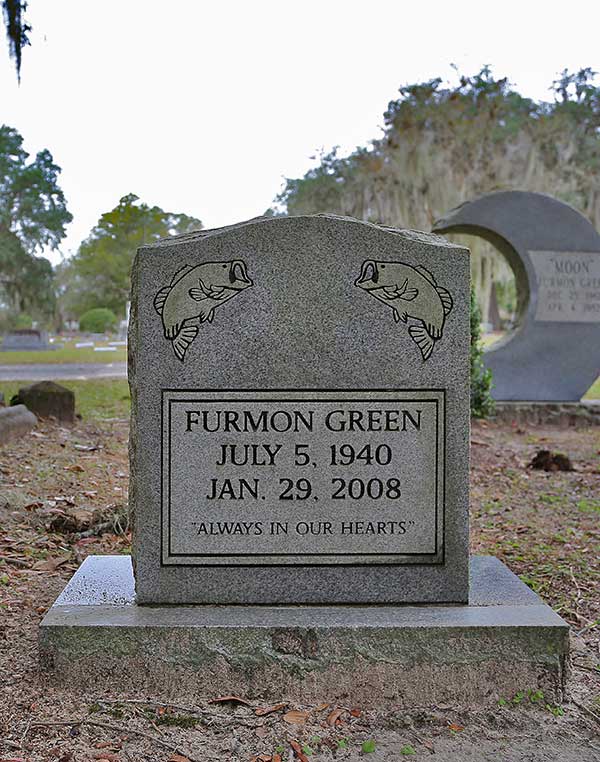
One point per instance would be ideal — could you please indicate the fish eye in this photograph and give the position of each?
(382, 267)
(225, 266)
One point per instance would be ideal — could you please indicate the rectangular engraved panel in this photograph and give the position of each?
(302, 477)
(568, 286)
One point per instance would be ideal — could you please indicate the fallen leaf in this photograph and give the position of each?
(50, 564)
(355, 712)
(455, 728)
(232, 699)
(321, 707)
(276, 758)
(114, 745)
(261, 731)
(264, 758)
(334, 716)
(106, 756)
(295, 717)
(178, 758)
(261, 711)
(298, 751)
(75, 467)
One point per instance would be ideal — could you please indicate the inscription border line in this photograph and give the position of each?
(440, 471)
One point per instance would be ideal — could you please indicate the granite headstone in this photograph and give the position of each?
(554, 353)
(26, 340)
(300, 415)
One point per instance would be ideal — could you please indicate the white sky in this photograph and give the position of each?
(203, 107)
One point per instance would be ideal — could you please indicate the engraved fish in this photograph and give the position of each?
(411, 292)
(194, 294)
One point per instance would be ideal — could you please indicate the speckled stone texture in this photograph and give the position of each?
(505, 640)
(302, 324)
(554, 251)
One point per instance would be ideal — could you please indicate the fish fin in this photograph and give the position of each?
(211, 315)
(396, 316)
(180, 273)
(400, 317)
(422, 339)
(197, 294)
(161, 298)
(409, 294)
(391, 292)
(172, 330)
(183, 339)
(446, 299)
(426, 274)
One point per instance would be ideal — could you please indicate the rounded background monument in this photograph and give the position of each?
(554, 353)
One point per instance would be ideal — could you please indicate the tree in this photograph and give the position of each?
(482, 403)
(17, 29)
(98, 274)
(443, 145)
(33, 216)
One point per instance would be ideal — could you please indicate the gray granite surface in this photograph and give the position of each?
(555, 254)
(504, 640)
(302, 316)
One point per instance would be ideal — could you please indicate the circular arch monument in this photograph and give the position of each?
(553, 355)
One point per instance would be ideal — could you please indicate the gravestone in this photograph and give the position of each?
(25, 340)
(15, 422)
(47, 400)
(554, 353)
(300, 436)
(301, 386)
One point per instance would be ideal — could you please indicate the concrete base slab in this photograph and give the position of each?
(563, 414)
(506, 640)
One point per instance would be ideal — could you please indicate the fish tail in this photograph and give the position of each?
(445, 298)
(161, 298)
(183, 339)
(422, 339)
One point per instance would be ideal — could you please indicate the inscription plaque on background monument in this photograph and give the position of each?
(568, 286)
(300, 415)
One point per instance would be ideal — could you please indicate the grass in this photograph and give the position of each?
(95, 398)
(67, 354)
(593, 393)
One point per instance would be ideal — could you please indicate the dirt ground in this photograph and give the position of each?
(63, 495)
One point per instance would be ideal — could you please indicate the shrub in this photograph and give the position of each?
(99, 320)
(482, 403)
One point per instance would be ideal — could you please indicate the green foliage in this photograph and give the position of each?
(407, 750)
(98, 320)
(444, 144)
(95, 398)
(177, 720)
(98, 275)
(23, 320)
(369, 746)
(33, 215)
(482, 404)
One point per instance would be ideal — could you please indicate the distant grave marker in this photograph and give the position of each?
(554, 353)
(26, 340)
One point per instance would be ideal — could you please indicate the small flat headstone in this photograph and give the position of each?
(47, 400)
(14, 422)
